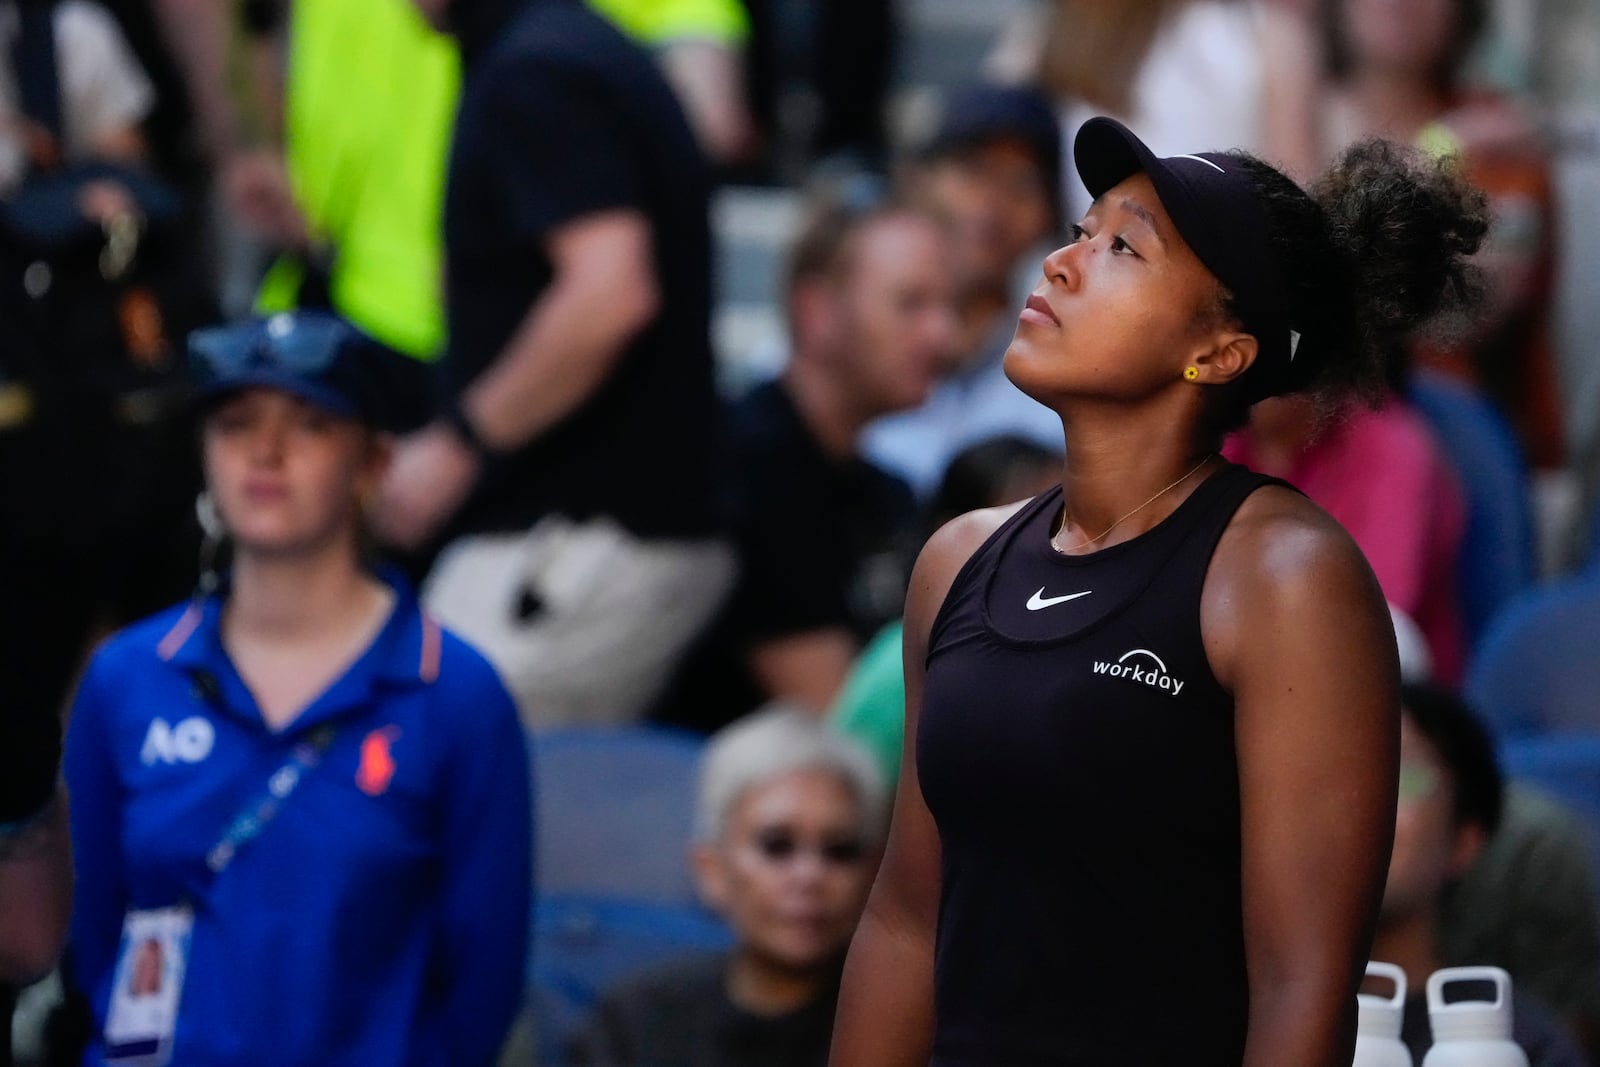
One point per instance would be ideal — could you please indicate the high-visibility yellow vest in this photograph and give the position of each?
(370, 101)
(657, 22)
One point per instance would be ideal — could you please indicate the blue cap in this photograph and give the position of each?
(314, 355)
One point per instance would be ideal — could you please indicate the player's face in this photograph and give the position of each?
(999, 205)
(286, 475)
(895, 312)
(1121, 309)
(792, 870)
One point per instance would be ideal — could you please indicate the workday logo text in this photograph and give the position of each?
(1141, 667)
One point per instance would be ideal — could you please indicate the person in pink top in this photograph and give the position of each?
(1379, 472)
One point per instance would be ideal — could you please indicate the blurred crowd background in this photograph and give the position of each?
(883, 178)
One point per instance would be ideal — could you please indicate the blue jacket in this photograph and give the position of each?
(381, 918)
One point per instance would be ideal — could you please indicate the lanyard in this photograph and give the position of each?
(253, 818)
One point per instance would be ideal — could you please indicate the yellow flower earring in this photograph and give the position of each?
(1191, 374)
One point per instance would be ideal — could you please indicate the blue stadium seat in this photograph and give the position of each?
(614, 892)
(1499, 556)
(1536, 673)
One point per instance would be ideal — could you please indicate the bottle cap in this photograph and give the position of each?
(1467, 1020)
(1382, 1016)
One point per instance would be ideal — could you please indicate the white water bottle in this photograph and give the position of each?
(1472, 1033)
(1378, 1041)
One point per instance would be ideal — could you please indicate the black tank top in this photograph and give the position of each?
(1078, 757)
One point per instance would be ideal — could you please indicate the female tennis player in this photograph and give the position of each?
(1151, 716)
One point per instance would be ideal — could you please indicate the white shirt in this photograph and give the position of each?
(102, 86)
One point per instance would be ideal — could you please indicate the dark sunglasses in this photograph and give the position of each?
(781, 846)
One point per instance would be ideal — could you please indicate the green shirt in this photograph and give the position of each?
(872, 706)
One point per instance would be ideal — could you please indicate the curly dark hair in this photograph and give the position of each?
(1379, 246)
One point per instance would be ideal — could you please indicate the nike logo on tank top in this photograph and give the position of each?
(1077, 755)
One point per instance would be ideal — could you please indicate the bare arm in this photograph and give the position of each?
(886, 1001)
(35, 896)
(708, 77)
(807, 669)
(198, 32)
(1296, 627)
(604, 292)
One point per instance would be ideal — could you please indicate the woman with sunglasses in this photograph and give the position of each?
(312, 800)
(790, 815)
(1151, 715)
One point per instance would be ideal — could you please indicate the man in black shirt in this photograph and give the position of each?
(825, 538)
(570, 469)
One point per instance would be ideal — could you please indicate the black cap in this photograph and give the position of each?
(1216, 208)
(983, 113)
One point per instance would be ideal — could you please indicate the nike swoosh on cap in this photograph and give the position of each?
(1039, 600)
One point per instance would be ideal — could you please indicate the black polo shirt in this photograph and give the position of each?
(823, 543)
(562, 117)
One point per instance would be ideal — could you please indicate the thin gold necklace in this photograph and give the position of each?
(1066, 520)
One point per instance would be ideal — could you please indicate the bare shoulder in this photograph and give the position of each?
(1278, 539)
(1285, 571)
(942, 558)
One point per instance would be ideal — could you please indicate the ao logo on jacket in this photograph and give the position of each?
(188, 742)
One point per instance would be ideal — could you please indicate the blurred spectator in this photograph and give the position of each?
(817, 76)
(826, 539)
(103, 93)
(298, 769)
(1526, 901)
(790, 821)
(993, 170)
(1397, 71)
(872, 705)
(1380, 474)
(701, 47)
(1177, 72)
(1450, 806)
(35, 856)
(35, 866)
(355, 199)
(571, 472)
(1528, 904)
(96, 479)
(352, 201)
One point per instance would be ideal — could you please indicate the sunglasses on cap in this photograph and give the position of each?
(782, 846)
(313, 355)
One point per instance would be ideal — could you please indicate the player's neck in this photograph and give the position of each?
(1115, 469)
